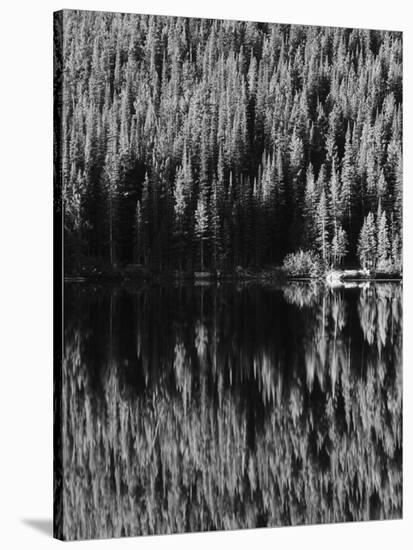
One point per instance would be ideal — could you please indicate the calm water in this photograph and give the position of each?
(197, 408)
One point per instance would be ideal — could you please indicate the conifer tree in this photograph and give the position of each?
(339, 246)
(367, 244)
(323, 240)
(335, 201)
(179, 211)
(309, 208)
(201, 226)
(215, 224)
(348, 178)
(382, 240)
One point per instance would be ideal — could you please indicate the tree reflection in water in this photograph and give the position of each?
(197, 408)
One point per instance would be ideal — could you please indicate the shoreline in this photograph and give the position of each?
(274, 274)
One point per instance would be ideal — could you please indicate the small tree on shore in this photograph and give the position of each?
(303, 263)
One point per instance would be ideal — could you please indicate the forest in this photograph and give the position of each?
(208, 145)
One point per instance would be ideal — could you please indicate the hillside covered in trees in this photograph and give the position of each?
(197, 144)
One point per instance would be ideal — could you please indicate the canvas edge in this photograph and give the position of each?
(58, 478)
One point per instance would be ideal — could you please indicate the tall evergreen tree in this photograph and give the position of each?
(367, 244)
(323, 240)
(339, 246)
(201, 226)
(382, 240)
(180, 211)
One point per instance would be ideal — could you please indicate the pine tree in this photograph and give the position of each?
(215, 224)
(339, 246)
(382, 241)
(280, 206)
(201, 226)
(367, 245)
(179, 211)
(348, 178)
(398, 206)
(382, 190)
(335, 201)
(323, 229)
(396, 254)
(111, 171)
(296, 172)
(146, 209)
(309, 208)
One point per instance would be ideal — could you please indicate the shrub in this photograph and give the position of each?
(302, 264)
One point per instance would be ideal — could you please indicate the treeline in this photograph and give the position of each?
(194, 143)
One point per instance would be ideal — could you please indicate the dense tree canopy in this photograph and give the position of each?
(194, 143)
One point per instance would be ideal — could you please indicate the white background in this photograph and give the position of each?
(26, 270)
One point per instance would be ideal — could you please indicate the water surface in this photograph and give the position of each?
(191, 408)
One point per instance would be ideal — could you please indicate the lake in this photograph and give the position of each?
(189, 408)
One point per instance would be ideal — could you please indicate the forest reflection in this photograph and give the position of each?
(191, 408)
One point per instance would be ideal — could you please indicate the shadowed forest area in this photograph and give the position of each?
(190, 408)
(205, 145)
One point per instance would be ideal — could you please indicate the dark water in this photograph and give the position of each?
(199, 408)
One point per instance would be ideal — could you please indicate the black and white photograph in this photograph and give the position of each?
(228, 237)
